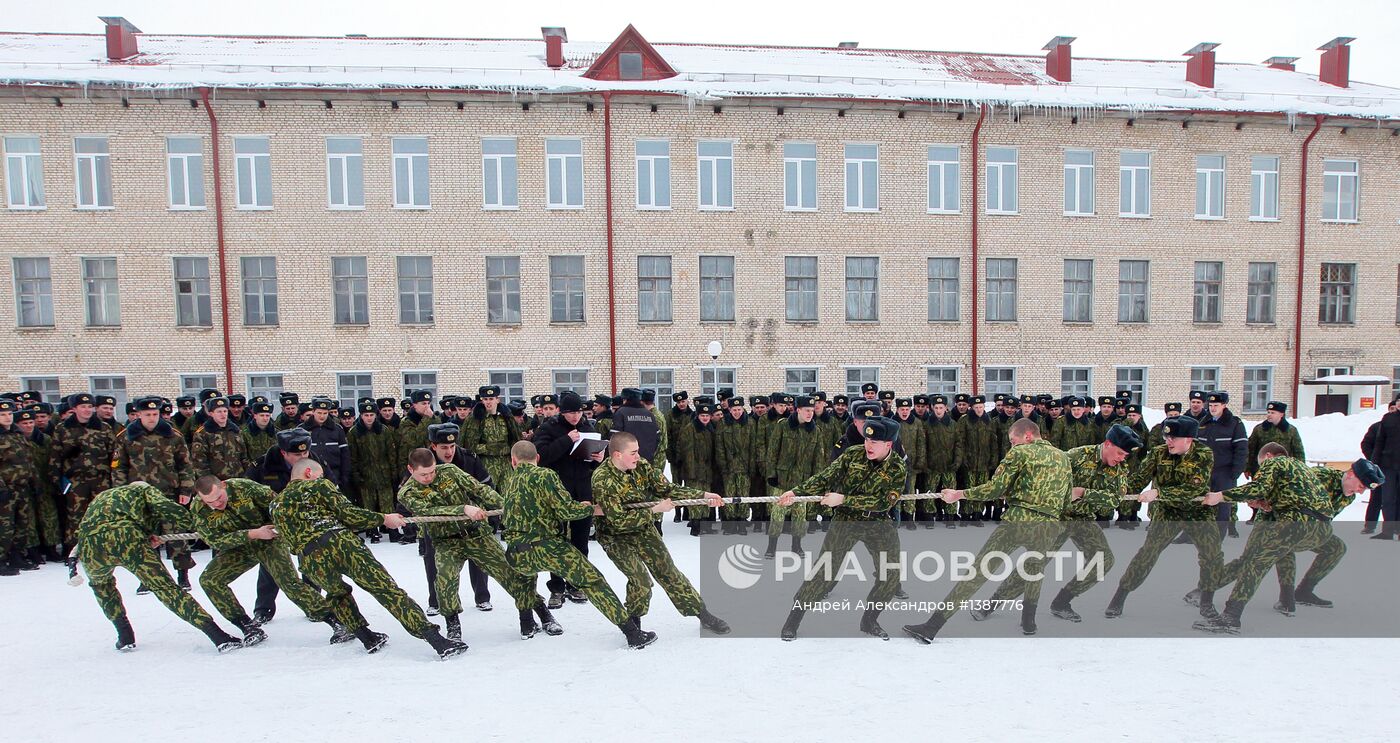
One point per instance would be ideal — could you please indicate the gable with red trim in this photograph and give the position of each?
(628, 58)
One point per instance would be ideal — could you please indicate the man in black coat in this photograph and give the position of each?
(1385, 452)
(555, 440)
(1226, 437)
(329, 444)
(1368, 448)
(634, 418)
(274, 469)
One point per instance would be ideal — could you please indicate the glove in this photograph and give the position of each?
(772, 482)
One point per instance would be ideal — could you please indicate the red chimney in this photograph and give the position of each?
(1336, 62)
(1200, 68)
(1057, 62)
(1282, 63)
(121, 38)
(554, 38)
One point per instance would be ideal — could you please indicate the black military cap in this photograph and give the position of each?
(962, 397)
(866, 409)
(1123, 437)
(978, 400)
(819, 395)
(215, 402)
(443, 433)
(869, 387)
(516, 407)
(1045, 398)
(8, 405)
(1171, 407)
(631, 394)
(420, 396)
(27, 414)
(736, 402)
(185, 401)
(294, 440)
(1219, 396)
(648, 395)
(406, 403)
(1181, 427)
(789, 399)
(1197, 395)
(1026, 399)
(256, 399)
(1055, 403)
(920, 399)
(601, 399)
(350, 412)
(704, 407)
(775, 398)
(385, 402)
(1106, 400)
(534, 401)
(80, 398)
(322, 403)
(166, 408)
(288, 398)
(237, 401)
(999, 397)
(724, 393)
(448, 402)
(261, 407)
(1275, 405)
(105, 400)
(570, 402)
(488, 390)
(547, 399)
(130, 408)
(148, 403)
(803, 401)
(1369, 474)
(1074, 401)
(904, 402)
(615, 400)
(678, 396)
(840, 400)
(207, 393)
(886, 395)
(1133, 407)
(938, 400)
(43, 407)
(880, 429)
(27, 396)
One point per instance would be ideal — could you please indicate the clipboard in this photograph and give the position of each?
(588, 446)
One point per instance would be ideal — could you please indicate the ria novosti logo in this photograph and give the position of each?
(740, 566)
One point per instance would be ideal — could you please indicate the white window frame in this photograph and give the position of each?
(1341, 177)
(863, 169)
(95, 164)
(1079, 177)
(718, 289)
(1200, 293)
(347, 161)
(265, 389)
(198, 307)
(929, 381)
(412, 163)
(713, 165)
(405, 389)
(1077, 296)
(988, 384)
(651, 166)
(87, 305)
(557, 389)
(956, 289)
(1204, 385)
(572, 314)
(504, 290)
(190, 166)
(26, 383)
(938, 172)
(1264, 183)
(42, 295)
(1272, 294)
(1347, 299)
(800, 166)
(200, 378)
(663, 391)
(509, 390)
(1082, 389)
(796, 287)
(1131, 172)
(252, 161)
(354, 399)
(874, 292)
(1246, 384)
(712, 387)
(1146, 293)
(1003, 168)
(853, 385)
(1146, 379)
(658, 286)
(1210, 187)
(350, 292)
(1015, 280)
(23, 169)
(800, 387)
(501, 162)
(424, 302)
(566, 163)
(262, 293)
(122, 399)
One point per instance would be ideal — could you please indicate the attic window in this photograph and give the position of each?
(629, 66)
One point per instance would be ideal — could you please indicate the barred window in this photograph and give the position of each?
(1338, 301)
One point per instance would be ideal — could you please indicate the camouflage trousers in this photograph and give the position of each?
(560, 557)
(1205, 535)
(908, 508)
(486, 553)
(20, 507)
(970, 508)
(499, 469)
(1091, 542)
(703, 513)
(778, 514)
(641, 556)
(273, 556)
(379, 499)
(8, 503)
(880, 540)
(105, 548)
(933, 483)
(77, 499)
(345, 556)
(45, 529)
(737, 485)
(1273, 542)
(1033, 536)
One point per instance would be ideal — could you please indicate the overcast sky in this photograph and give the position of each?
(1247, 31)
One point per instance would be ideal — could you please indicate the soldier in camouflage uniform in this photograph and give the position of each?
(1076, 430)
(260, 434)
(434, 489)
(373, 454)
(413, 428)
(1154, 434)
(663, 433)
(1180, 470)
(319, 524)
(218, 447)
(1035, 480)
(118, 530)
(679, 415)
(489, 433)
(861, 487)
(1274, 428)
(737, 463)
(697, 453)
(795, 453)
(1300, 511)
(17, 481)
(976, 448)
(234, 517)
(627, 535)
(913, 432)
(153, 452)
(81, 454)
(290, 417)
(48, 536)
(940, 438)
(535, 506)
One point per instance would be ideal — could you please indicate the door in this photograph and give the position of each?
(1325, 404)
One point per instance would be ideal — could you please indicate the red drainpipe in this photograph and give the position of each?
(219, 235)
(976, 191)
(608, 211)
(1302, 243)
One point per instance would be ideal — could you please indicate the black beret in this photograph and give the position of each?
(869, 387)
(880, 429)
(1172, 407)
(904, 402)
(185, 401)
(237, 400)
(130, 408)
(288, 398)
(649, 395)
(443, 433)
(938, 400)
(631, 394)
(1276, 405)
(1369, 474)
(386, 402)
(886, 394)
(866, 409)
(215, 402)
(368, 407)
(840, 400)
(261, 407)
(420, 396)
(322, 403)
(1181, 426)
(601, 399)
(79, 398)
(1220, 396)
(488, 390)
(678, 396)
(736, 402)
(570, 402)
(920, 399)
(294, 439)
(106, 400)
(977, 400)
(1123, 437)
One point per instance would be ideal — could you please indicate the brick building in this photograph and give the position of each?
(341, 215)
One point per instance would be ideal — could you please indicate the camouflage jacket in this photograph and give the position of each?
(489, 435)
(1072, 433)
(697, 452)
(374, 456)
(1135, 458)
(220, 452)
(735, 451)
(282, 422)
(413, 434)
(1289, 487)
(1179, 480)
(116, 511)
(870, 487)
(1330, 481)
(976, 445)
(1034, 478)
(449, 491)
(675, 419)
(1266, 433)
(258, 440)
(940, 442)
(39, 449)
(248, 507)
(158, 457)
(1104, 486)
(913, 432)
(796, 451)
(16, 463)
(81, 452)
(307, 509)
(613, 489)
(535, 505)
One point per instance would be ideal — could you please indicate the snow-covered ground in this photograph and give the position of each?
(64, 682)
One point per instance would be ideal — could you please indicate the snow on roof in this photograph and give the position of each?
(1340, 379)
(706, 72)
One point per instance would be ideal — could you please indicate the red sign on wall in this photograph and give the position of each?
(1368, 403)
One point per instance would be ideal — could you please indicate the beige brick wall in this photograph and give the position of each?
(303, 233)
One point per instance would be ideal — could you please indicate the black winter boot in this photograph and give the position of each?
(1028, 618)
(1306, 597)
(1208, 605)
(339, 634)
(126, 637)
(182, 580)
(1115, 605)
(926, 631)
(794, 620)
(373, 641)
(870, 625)
(528, 628)
(1061, 609)
(636, 637)
(1227, 622)
(251, 634)
(768, 554)
(551, 627)
(1286, 605)
(445, 648)
(221, 639)
(454, 627)
(713, 623)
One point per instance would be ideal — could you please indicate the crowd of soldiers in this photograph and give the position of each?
(224, 464)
